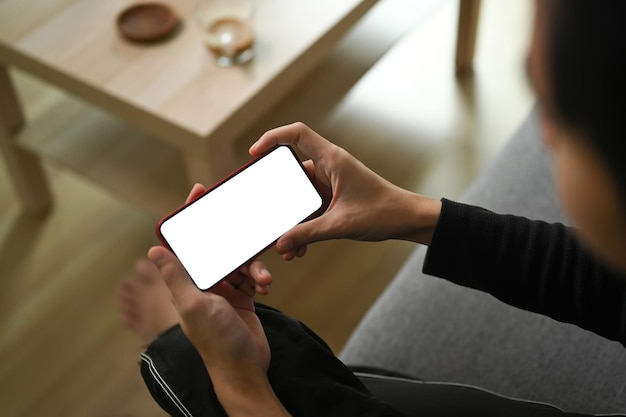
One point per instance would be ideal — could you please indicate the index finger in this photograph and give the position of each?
(173, 273)
(296, 134)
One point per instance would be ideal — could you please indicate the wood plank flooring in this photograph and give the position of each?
(62, 351)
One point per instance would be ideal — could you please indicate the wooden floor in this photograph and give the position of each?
(62, 350)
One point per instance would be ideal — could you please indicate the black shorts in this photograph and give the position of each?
(310, 381)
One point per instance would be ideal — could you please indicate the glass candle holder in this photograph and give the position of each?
(227, 29)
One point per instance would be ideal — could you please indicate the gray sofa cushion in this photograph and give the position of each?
(438, 331)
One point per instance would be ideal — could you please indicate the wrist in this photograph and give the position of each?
(245, 391)
(422, 217)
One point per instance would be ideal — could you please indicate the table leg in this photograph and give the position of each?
(209, 165)
(466, 35)
(23, 166)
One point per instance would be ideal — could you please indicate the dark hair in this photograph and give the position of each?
(586, 48)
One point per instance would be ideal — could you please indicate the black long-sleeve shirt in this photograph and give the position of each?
(529, 264)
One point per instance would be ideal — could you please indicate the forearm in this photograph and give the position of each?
(529, 264)
(245, 391)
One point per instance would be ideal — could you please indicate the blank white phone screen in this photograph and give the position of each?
(226, 227)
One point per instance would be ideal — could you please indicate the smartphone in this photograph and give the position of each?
(240, 216)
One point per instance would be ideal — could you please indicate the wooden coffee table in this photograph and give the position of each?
(171, 91)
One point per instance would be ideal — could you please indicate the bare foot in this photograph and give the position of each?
(144, 302)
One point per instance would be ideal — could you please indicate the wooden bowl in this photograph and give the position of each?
(146, 22)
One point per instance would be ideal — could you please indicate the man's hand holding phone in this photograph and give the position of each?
(222, 325)
(237, 289)
(361, 205)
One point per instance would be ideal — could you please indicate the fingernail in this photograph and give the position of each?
(252, 148)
